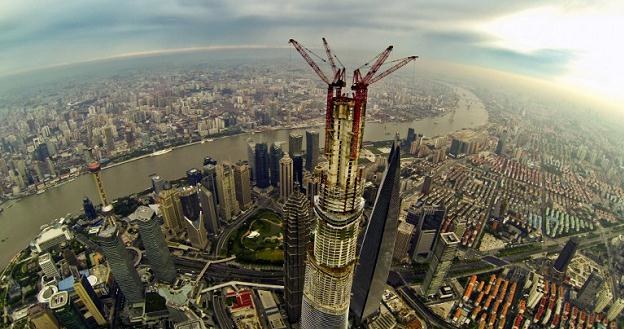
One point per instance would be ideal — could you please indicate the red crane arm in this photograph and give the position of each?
(310, 61)
(400, 63)
(381, 58)
(330, 57)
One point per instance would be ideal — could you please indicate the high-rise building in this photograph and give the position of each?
(189, 200)
(339, 206)
(372, 271)
(587, 295)
(242, 182)
(158, 183)
(311, 182)
(95, 168)
(42, 318)
(615, 309)
(226, 187)
(563, 260)
(297, 222)
(276, 155)
(210, 180)
(89, 209)
(295, 144)
(170, 208)
(402, 244)
(444, 251)
(411, 136)
(603, 299)
(66, 312)
(90, 299)
(193, 176)
(209, 211)
(286, 177)
(298, 169)
(262, 165)
(426, 230)
(312, 149)
(251, 158)
(120, 263)
(48, 266)
(427, 182)
(158, 255)
(500, 146)
(196, 232)
(193, 216)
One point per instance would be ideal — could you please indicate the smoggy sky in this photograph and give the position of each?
(577, 43)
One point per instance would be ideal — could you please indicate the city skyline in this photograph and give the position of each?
(175, 167)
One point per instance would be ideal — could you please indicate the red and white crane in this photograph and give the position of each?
(359, 85)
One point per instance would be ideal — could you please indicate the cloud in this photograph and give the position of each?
(32, 35)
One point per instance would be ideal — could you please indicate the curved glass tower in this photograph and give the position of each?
(338, 208)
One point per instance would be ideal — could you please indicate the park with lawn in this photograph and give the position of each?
(259, 239)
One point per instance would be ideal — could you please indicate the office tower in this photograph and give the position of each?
(615, 309)
(209, 211)
(297, 222)
(189, 200)
(312, 149)
(197, 233)
(500, 146)
(110, 138)
(371, 274)
(95, 169)
(563, 260)
(426, 230)
(276, 155)
(210, 180)
(411, 136)
(286, 177)
(295, 144)
(242, 182)
(66, 312)
(443, 254)
(120, 263)
(193, 177)
(157, 252)
(170, 208)
(158, 183)
(311, 182)
(48, 266)
(262, 165)
(42, 318)
(251, 158)
(339, 206)
(226, 187)
(587, 295)
(89, 209)
(426, 187)
(90, 299)
(603, 299)
(457, 148)
(298, 169)
(402, 244)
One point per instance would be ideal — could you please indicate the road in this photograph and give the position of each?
(223, 272)
(221, 314)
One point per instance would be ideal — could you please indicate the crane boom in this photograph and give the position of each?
(310, 61)
(381, 58)
(394, 67)
(330, 57)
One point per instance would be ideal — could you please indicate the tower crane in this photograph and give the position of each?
(359, 85)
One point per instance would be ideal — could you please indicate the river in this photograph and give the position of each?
(21, 221)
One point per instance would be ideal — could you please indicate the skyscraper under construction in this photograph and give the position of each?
(339, 203)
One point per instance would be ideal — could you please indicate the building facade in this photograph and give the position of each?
(286, 177)
(338, 208)
(312, 149)
(242, 182)
(444, 251)
(377, 248)
(297, 220)
(158, 255)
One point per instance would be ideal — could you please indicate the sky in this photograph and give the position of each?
(571, 43)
